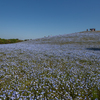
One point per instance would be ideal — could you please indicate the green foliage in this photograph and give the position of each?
(7, 41)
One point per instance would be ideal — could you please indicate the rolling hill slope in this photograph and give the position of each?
(91, 38)
(63, 67)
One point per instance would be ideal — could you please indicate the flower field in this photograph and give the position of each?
(64, 67)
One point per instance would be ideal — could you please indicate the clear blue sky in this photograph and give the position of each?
(29, 19)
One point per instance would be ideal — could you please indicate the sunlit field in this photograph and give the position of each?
(64, 67)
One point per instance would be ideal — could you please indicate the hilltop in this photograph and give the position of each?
(78, 38)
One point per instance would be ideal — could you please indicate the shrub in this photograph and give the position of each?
(7, 41)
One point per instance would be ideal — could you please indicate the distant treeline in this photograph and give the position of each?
(7, 41)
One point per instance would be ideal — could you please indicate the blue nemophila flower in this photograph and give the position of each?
(50, 70)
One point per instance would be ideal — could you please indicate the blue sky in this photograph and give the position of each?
(30, 19)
